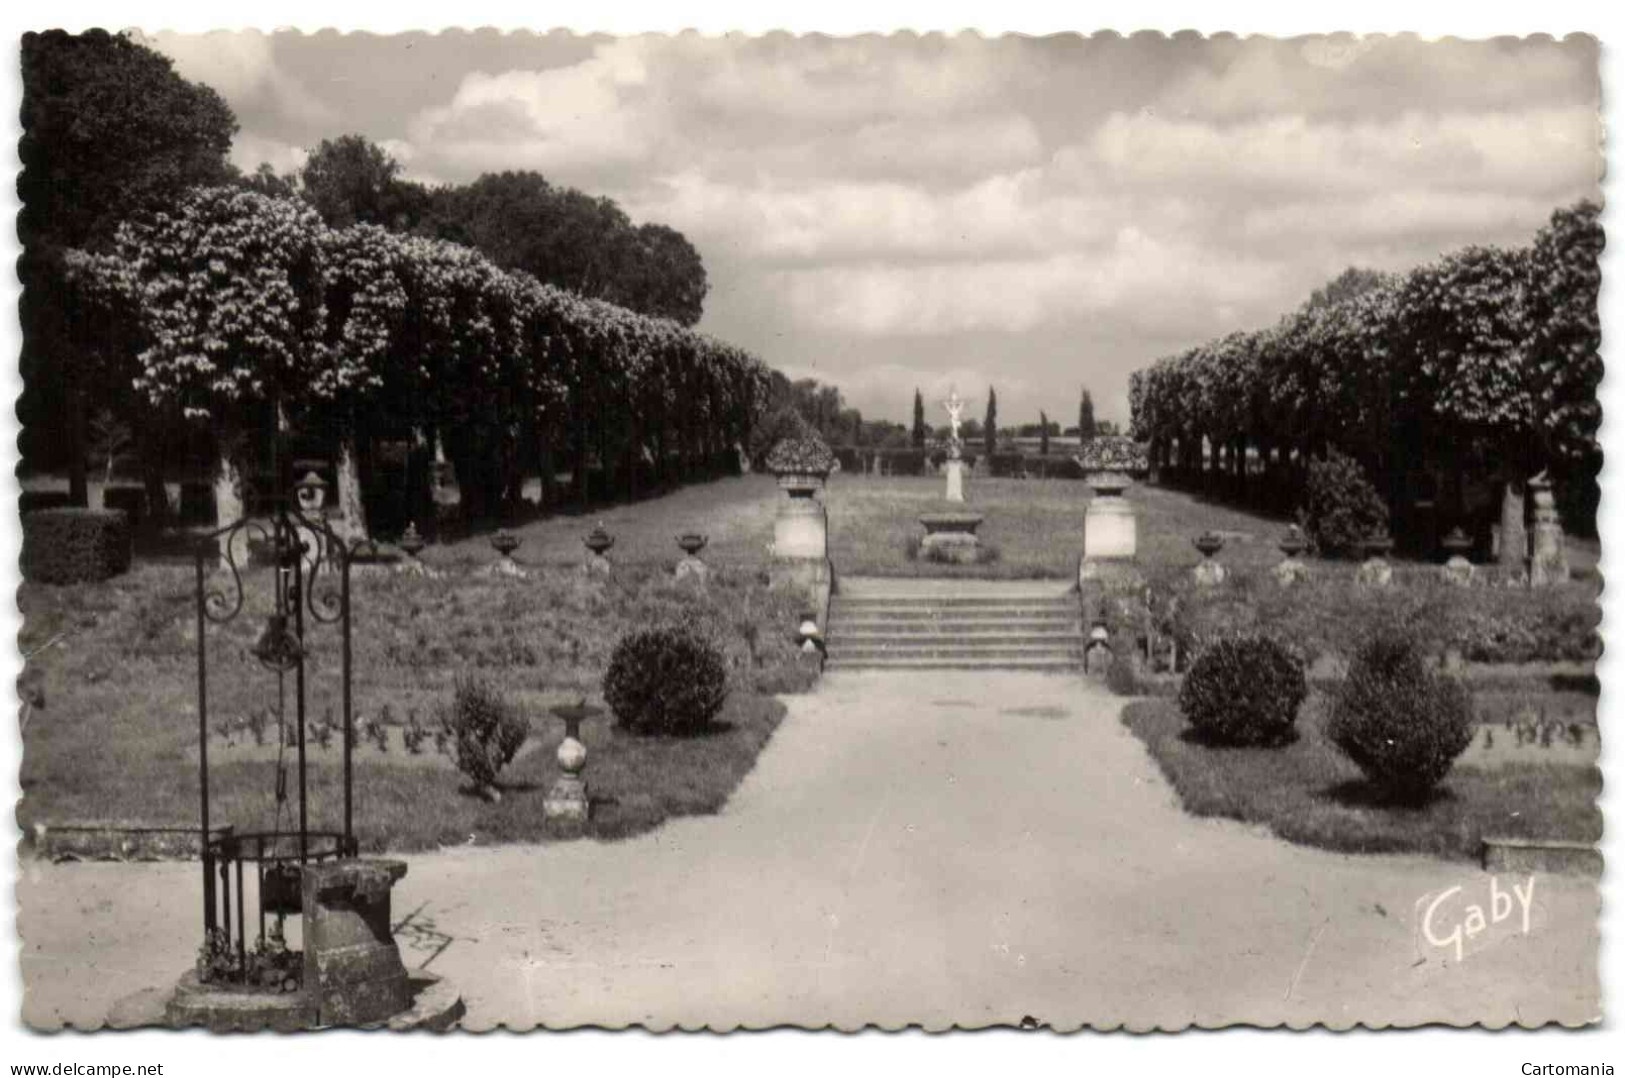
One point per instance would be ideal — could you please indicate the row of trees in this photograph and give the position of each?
(111, 133)
(990, 432)
(1484, 360)
(237, 310)
(561, 236)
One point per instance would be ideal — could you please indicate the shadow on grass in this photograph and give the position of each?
(1209, 740)
(1363, 793)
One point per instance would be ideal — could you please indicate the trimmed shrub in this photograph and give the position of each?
(485, 729)
(30, 500)
(1402, 722)
(1244, 691)
(1341, 508)
(74, 546)
(1006, 465)
(666, 680)
(904, 461)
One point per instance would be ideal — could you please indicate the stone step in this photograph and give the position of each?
(1054, 666)
(845, 639)
(964, 614)
(873, 622)
(909, 602)
(1072, 653)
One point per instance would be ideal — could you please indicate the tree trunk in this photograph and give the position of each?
(350, 505)
(1514, 536)
(228, 505)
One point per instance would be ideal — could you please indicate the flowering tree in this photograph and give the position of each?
(1485, 351)
(228, 286)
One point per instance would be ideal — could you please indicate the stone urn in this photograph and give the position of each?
(598, 541)
(505, 543)
(801, 465)
(950, 537)
(691, 543)
(1375, 572)
(567, 800)
(1110, 530)
(1209, 572)
(1291, 568)
(1457, 569)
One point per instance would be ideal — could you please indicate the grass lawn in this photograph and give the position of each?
(1308, 792)
(117, 737)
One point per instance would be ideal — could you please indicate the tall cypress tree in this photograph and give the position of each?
(990, 429)
(1043, 434)
(919, 421)
(1086, 417)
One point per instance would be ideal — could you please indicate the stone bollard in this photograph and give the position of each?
(353, 969)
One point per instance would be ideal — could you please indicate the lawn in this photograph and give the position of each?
(1308, 792)
(117, 736)
(1036, 525)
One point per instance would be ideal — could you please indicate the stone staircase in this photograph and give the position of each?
(953, 625)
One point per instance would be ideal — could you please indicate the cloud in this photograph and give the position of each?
(583, 115)
(885, 210)
(242, 67)
(1374, 77)
(1535, 151)
(1141, 280)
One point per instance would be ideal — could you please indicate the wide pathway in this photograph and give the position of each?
(930, 849)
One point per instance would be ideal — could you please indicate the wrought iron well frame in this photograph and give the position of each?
(296, 568)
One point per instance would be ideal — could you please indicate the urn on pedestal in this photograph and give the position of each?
(1110, 531)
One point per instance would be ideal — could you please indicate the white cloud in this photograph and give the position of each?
(1545, 150)
(242, 67)
(1141, 280)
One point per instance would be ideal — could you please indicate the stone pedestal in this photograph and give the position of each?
(950, 537)
(567, 800)
(353, 970)
(956, 480)
(1458, 571)
(1374, 573)
(1549, 561)
(597, 565)
(505, 566)
(801, 528)
(1290, 571)
(1209, 573)
(1097, 658)
(693, 569)
(1110, 531)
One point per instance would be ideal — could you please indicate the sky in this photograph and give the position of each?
(1038, 214)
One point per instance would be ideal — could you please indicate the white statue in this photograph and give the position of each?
(955, 408)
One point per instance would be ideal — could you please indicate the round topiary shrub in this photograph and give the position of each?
(666, 680)
(1401, 721)
(1244, 690)
(486, 730)
(1341, 508)
(74, 546)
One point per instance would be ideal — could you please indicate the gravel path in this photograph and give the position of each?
(911, 849)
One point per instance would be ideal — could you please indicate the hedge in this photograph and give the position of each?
(32, 500)
(75, 546)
